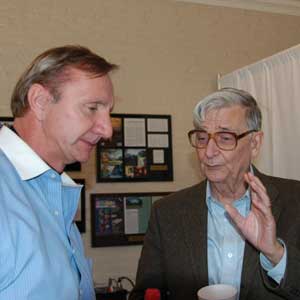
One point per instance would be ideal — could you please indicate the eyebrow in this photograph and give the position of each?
(220, 128)
(228, 129)
(104, 102)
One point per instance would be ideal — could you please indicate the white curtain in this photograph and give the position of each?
(275, 83)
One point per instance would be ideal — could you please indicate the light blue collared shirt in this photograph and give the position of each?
(226, 245)
(41, 252)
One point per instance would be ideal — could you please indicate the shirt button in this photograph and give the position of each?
(52, 175)
(80, 292)
(229, 254)
(73, 251)
(56, 212)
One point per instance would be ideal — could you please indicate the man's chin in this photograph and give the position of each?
(215, 179)
(214, 176)
(83, 157)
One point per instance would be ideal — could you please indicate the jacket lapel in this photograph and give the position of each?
(195, 232)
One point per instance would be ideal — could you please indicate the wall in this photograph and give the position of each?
(169, 53)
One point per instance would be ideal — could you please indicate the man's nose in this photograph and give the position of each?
(211, 148)
(103, 125)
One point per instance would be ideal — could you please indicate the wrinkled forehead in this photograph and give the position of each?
(231, 118)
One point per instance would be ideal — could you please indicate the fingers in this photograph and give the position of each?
(254, 182)
(236, 217)
(259, 196)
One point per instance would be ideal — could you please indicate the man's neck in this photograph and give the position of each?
(228, 193)
(30, 133)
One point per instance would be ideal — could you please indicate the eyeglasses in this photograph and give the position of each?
(224, 140)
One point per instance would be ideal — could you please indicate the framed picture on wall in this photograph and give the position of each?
(139, 150)
(76, 166)
(80, 214)
(121, 219)
(7, 121)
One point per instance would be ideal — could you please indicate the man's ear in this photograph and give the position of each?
(38, 98)
(256, 142)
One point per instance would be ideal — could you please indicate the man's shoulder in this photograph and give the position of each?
(282, 191)
(10, 181)
(279, 182)
(6, 167)
(183, 197)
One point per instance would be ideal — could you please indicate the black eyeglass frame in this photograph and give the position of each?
(211, 136)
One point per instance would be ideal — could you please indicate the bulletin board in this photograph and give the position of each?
(139, 150)
(121, 219)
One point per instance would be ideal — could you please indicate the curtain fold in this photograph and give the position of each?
(275, 84)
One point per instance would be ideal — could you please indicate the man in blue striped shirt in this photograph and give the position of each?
(237, 227)
(61, 107)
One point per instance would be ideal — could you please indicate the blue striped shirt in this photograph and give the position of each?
(41, 252)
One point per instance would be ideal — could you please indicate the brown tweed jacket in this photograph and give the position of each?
(174, 255)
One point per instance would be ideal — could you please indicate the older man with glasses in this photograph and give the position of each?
(237, 227)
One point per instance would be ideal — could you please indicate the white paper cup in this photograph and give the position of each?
(217, 292)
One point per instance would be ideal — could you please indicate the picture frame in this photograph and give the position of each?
(139, 150)
(80, 214)
(8, 121)
(121, 219)
(74, 167)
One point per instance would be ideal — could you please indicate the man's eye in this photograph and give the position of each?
(226, 137)
(93, 108)
(201, 137)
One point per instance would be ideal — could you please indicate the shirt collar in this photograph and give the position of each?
(26, 162)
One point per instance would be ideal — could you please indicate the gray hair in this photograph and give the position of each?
(228, 97)
(51, 69)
